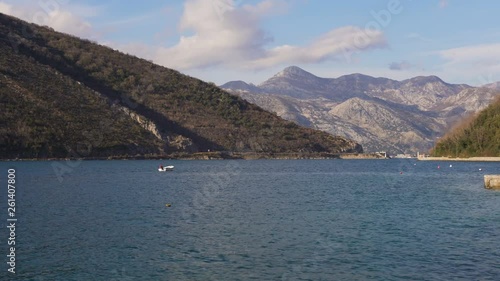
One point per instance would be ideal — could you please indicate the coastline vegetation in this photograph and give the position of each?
(476, 136)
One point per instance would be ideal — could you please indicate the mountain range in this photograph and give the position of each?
(380, 113)
(62, 96)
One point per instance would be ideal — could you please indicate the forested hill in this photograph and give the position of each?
(62, 96)
(478, 136)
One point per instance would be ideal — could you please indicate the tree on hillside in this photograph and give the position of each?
(475, 136)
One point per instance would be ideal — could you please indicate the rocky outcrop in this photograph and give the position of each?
(143, 121)
(492, 181)
(177, 142)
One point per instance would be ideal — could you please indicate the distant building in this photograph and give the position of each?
(404, 155)
(421, 155)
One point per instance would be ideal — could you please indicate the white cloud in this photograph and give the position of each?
(5, 8)
(218, 34)
(55, 14)
(485, 54)
(68, 22)
(340, 43)
(221, 33)
(472, 63)
(227, 34)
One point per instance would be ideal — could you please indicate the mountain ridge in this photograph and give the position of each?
(494, 85)
(423, 106)
(57, 89)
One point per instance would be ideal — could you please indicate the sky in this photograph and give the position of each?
(223, 40)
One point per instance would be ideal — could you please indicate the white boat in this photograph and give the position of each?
(166, 168)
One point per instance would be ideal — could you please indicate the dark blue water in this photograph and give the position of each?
(254, 220)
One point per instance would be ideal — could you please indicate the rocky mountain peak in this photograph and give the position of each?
(294, 82)
(294, 72)
(241, 86)
(422, 80)
(356, 76)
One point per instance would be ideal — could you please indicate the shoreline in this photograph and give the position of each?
(219, 156)
(470, 159)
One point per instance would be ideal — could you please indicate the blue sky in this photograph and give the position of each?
(222, 40)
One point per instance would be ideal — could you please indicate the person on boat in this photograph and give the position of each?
(161, 167)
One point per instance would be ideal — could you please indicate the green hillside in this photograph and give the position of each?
(478, 136)
(61, 95)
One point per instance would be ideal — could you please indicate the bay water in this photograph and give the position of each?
(397, 219)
